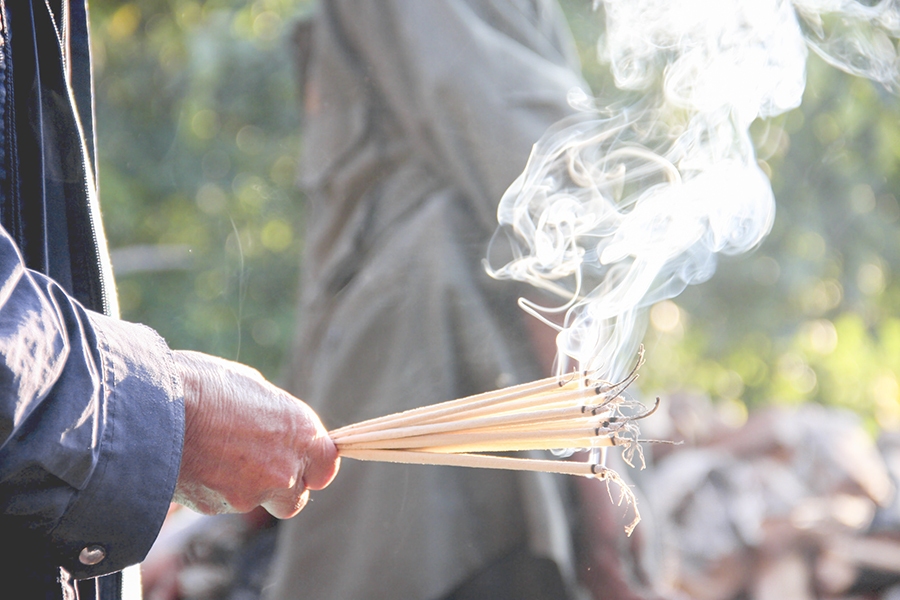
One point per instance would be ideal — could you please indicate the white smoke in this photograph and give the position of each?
(620, 208)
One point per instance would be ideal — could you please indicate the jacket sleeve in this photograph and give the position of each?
(91, 427)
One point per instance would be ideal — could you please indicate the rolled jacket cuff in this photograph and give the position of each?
(114, 520)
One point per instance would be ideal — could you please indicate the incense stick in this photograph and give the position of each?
(477, 406)
(485, 398)
(506, 420)
(481, 461)
(486, 439)
(556, 413)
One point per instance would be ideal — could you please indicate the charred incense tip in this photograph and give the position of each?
(564, 381)
(648, 413)
(599, 471)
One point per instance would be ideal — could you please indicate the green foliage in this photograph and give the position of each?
(199, 125)
(812, 314)
(816, 304)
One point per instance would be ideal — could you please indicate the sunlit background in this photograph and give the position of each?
(199, 127)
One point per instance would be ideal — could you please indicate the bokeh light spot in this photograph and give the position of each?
(124, 22)
(665, 316)
(276, 235)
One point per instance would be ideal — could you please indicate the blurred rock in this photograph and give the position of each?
(797, 503)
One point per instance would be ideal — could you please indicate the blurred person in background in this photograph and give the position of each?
(418, 116)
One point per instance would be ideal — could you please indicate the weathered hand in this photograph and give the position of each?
(247, 443)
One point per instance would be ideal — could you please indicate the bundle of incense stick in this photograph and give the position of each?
(557, 414)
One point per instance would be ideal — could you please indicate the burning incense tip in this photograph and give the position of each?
(558, 414)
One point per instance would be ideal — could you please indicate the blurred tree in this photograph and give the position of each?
(198, 125)
(199, 128)
(812, 314)
(814, 308)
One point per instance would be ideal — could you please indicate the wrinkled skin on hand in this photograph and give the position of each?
(247, 443)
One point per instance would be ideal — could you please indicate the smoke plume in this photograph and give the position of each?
(620, 207)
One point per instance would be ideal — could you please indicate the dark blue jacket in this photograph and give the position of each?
(91, 411)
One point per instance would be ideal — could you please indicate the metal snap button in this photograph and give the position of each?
(91, 555)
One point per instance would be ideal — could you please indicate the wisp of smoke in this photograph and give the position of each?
(621, 207)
